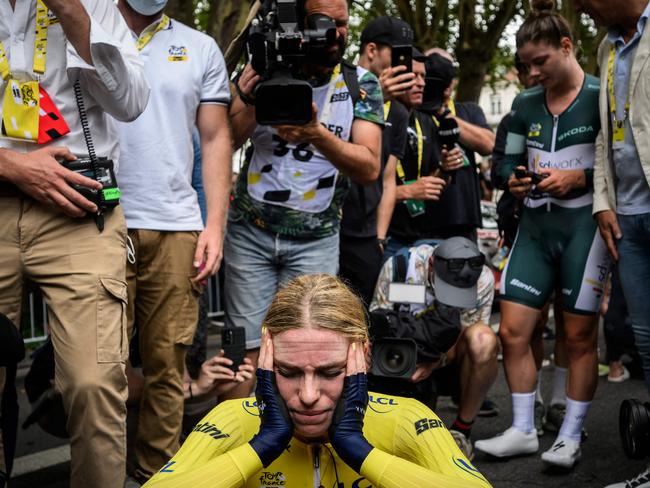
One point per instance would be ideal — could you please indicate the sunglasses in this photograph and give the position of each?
(457, 264)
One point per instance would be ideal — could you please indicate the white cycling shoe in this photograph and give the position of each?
(512, 442)
(564, 453)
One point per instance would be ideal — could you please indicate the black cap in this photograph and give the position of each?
(418, 56)
(440, 68)
(388, 30)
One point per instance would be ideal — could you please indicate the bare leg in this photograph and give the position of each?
(581, 344)
(537, 340)
(477, 353)
(516, 330)
(243, 390)
(560, 350)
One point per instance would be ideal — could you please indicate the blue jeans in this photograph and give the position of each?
(257, 263)
(634, 269)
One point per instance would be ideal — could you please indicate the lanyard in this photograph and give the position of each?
(451, 106)
(40, 44)
(400, 168)
(327, 108)
(147, 36)
(610, 88)
(386, 110)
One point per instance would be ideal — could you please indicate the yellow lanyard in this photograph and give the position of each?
(400, 168)
(146, 38)
(610, 87)
(451, 106)
(40, 44)
(386, 110)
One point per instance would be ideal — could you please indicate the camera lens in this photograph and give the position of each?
(395, 360)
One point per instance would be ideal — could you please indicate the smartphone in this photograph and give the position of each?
(407, 293)
(524, 173)
(233, 343)
(402, 56)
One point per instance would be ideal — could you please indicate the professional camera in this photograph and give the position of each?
(634, 427)
(277, 48)
(400, 339)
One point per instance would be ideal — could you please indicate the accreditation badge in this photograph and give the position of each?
(20, 112)
(618, 133)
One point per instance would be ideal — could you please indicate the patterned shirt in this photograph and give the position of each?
(422, 257)
(280, 217)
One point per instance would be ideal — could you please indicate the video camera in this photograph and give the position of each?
(400, 339)
(277, 48)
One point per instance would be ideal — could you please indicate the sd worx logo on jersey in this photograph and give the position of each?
(381, 404)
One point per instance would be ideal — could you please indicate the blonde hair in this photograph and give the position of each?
(319, 301)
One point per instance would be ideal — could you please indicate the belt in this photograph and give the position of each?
(10, 190)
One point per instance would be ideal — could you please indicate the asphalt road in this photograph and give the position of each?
(43, 461)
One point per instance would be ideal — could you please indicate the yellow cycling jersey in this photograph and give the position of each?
(412, 449)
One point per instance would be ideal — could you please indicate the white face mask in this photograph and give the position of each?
(147, 7)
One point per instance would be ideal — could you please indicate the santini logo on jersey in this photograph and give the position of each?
(211, 430)
(423, 425)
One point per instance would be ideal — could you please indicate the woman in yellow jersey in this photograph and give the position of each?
(314, 422)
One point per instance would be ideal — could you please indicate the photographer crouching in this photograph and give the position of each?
(66, 68)
(429, 319)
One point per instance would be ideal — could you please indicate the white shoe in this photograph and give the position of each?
(624, 376)
(512, 442)
(641, 481)
(564, 453)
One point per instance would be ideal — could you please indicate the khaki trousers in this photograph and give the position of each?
(163, 305)
(81, 273)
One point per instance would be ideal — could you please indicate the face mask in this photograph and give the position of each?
(147, 7)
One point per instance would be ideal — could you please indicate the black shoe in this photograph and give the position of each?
(488, 409)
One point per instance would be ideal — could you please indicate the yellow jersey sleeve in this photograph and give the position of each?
(216, 454)
(421, 451)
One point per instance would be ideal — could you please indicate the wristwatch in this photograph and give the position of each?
(382, 242)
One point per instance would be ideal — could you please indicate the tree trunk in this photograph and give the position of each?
(226, 18)
(181, 10)
(478, 40)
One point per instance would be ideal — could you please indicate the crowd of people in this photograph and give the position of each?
(353, 230)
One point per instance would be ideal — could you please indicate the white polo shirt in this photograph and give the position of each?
(185, 68)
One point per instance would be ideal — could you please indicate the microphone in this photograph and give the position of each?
(448, 133)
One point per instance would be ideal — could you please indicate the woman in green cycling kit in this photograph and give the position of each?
(550, 154)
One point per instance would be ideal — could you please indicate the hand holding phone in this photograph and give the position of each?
(402, 56)
(536, 178)
(233, 343)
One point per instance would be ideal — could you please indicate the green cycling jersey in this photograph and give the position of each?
(540, 140)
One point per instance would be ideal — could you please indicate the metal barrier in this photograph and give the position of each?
(34, 327)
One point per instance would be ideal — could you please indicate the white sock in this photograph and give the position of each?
(559, 386)
(538, 390)
(576, 412)
(523, 411)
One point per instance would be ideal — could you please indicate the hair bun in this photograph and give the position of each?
(542, 5)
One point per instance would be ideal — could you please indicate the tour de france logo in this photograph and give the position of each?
(177, 53)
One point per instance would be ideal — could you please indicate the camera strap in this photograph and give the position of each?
(85, 127)
(327, 107)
